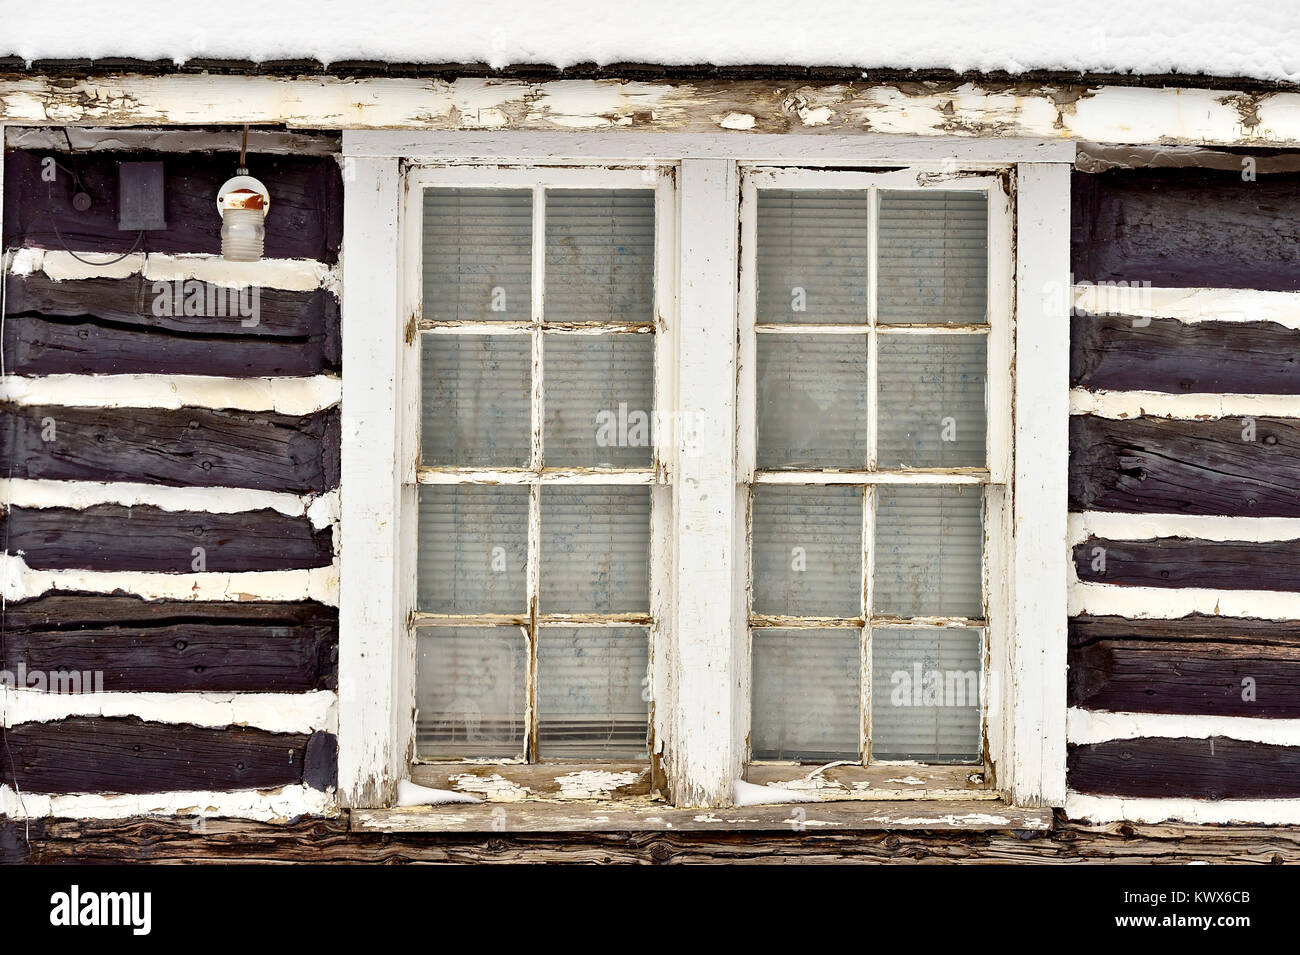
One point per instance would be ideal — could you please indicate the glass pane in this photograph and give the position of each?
(925, 694)
(806, 695)
(595, 550)
(600, 255)
(812, 256)
(478, 255)
(592, 692)
(812, 401)
(473, 549)
(931, 400)
(470, 692)
(929, 546)
(474, 400)
(808, 551)
(934, 251)
(599, 400)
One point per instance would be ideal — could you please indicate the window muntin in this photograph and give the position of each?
(874, 308)
(539, 468)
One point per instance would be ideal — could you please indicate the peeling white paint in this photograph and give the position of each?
(494, 787)
(266, 805)
(594, 784)
(739, 121)
(307, 712)
(291, 396)
(1101, 726)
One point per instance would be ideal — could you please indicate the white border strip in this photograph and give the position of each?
(291, 396)
(307, 712)
(267, 805)
(19, 582)
(1191, 304)
(291, 275)
(1157, 603)
(321, 509)
(1103, 809)
(1101, 726)
(1139, 527)
(1186, 407)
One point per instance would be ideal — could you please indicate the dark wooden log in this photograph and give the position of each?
(99, 755)
(1186, 562)
(1163, 354)
(1153, 465)
(108, 326)
(305, 220)
(192, 447)
(175, 645)
(1180, 228)
(113, 537)
(1197, 665)
(1215, 768)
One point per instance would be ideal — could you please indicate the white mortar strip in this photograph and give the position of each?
(1197, 407)
(293, 275)
(1095, 726)
(1136, 527)
(1191, 304)
(1101, 809)
(292, 396)
(274, 712)
(1157, 603)
(271, 805)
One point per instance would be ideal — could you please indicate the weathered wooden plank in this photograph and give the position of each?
(1185, 562)
(1122, 353)
(109, 326)
(305, 219)
(1152, 465)
(1184, 228)
(1198, 665)
(1214, 768)
(189, 447)
(174, 646)
(90, 755)
(113, 537)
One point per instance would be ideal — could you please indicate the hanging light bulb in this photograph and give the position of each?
(243, 203)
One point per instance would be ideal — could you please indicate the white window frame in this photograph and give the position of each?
(701, 660)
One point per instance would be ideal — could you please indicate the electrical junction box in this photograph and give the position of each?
(140, 197)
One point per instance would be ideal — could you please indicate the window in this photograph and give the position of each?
(538, 470)
(879, 312)
(703, 468)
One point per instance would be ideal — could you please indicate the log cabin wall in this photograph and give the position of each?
(1184, 647)
(171, 442)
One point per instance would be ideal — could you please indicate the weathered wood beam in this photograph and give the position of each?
(1186, 562)
(1214, 768)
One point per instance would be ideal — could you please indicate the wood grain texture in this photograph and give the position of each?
(176, 646)
(1164, 354)
(1185, 228)
(114, 537)
(321, 841)
(1152, 465)
(99, 755)
(1195, 665)
(305, 219)
(1214, 768)
(187, 447)
(108, 327)
(1186, 562)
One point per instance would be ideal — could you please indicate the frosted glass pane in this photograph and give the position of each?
(808, 551)
(474, 400)
(473, 549)
(933, 249)
(812, 401)
(599, 400)
(470, 691)
(600, 255)
(595, 550)
(929, 545)
(925, 694)
(477, 254)
(806, 695)
(812, 256)
(590, 685)
(932, 400)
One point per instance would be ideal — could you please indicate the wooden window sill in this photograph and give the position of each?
(638, 816)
